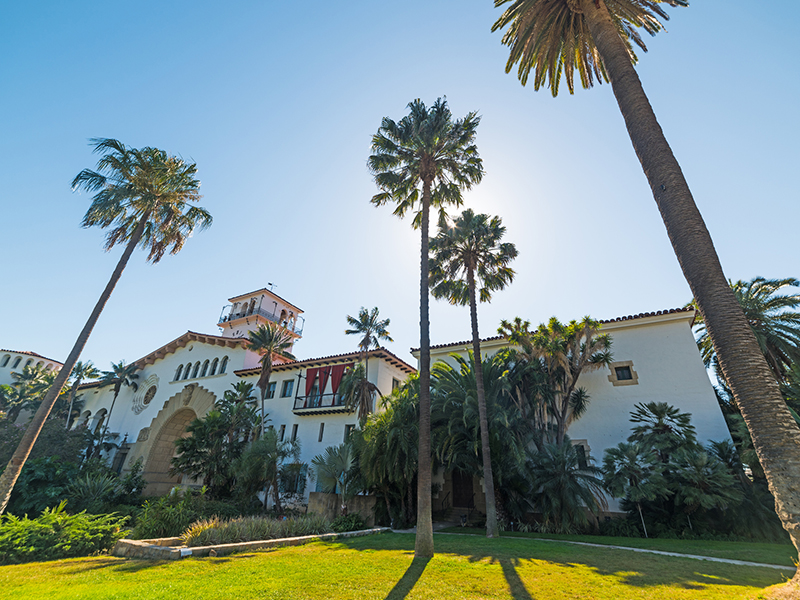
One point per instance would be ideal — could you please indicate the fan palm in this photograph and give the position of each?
(596, 37)
(422, 161)
(333, 470)
(269, 340)
(773, 318)
(143, 195)
(259, 466)
(81, 371)
(121, 375)
(371, 329)
(466, 254)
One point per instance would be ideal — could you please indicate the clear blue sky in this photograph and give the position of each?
(276, 103)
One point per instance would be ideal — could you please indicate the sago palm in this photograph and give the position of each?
(467, 254)
(144, 196)
(424, 161)
(269, 340)
(552, 38)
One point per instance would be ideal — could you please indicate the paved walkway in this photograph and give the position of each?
(729, 561)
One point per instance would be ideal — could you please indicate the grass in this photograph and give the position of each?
(382, 567)
(771, 554)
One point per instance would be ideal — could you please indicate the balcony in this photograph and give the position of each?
(297, 328)
(316, 404)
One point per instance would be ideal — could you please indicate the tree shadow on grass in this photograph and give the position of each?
(516, 555)
(409, 579)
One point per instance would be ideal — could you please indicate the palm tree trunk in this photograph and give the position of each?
(423, 547)
(639, 506)
(14, 468)
(72, 393)
(263, 396)
(775, 435)
(488, 478)
(108, 421)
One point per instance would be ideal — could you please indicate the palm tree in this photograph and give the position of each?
(269, 340)
(464, 254)
(144, 195)
(564, 351)
(81, 371)
(773, 318)
(259, 466)
(371, 329)
(632, 472)
(425, 160)
(121, 375)
(358, 392)
(596, 37)
(333, 471)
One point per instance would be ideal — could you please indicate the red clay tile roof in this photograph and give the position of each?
(668, 311)
(379, 353)
(29, 353)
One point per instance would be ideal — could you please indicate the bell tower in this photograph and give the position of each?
(246, 312)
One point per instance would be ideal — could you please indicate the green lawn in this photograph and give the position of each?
(381, 567)
(772, 554)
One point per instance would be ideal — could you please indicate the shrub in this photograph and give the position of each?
(56, 534)
(42, 484)
(351, 522)
(167, 516)
(247, 529)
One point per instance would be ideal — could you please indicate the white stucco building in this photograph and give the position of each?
(13, 361)
(655, 359)
(181, 381)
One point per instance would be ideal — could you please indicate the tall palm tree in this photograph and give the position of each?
(358, 392)
(465, 254)
(773, 318)
(425, 160)
(81, 371)
(121, 375)
(596, 37)
(143, 195)
(371, 329)
(269, 340)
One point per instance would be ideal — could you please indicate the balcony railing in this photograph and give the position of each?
(296, 328)
(317, 401)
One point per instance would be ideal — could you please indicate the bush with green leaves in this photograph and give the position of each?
(210, 532)
(351, 522)
(55, 534)
(42, 484)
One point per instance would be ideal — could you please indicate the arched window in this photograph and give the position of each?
(16, 362)
(224, 365)
(178, 373)
(252, 306)
(83, 419)
(6, 358)
(99, 420)
(204, 372)
(48, 367)
(29, 362)
(196, 369)
(39, 364)
(214, 366)
(188, 371)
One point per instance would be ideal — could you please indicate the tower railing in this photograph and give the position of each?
(296, 327)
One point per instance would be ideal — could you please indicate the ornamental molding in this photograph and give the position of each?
(145, 394)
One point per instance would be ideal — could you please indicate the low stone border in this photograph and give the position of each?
(173, 548)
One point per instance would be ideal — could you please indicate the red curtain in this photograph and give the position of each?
(337, 371)
(311, 377)
(324, 372)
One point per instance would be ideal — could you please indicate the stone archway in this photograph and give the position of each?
(155, 444)
(156, 469)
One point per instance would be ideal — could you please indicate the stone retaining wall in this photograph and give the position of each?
(171, 548)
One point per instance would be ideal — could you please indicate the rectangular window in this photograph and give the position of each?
(395, 383)
(282, 432)
(294, 432)
(271, 389)
(623, 373)
(287, 388)
(348, 429)
(581, 450)
(321, 430)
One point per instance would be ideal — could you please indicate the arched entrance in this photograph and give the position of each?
(156, 469)
(155, 444)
